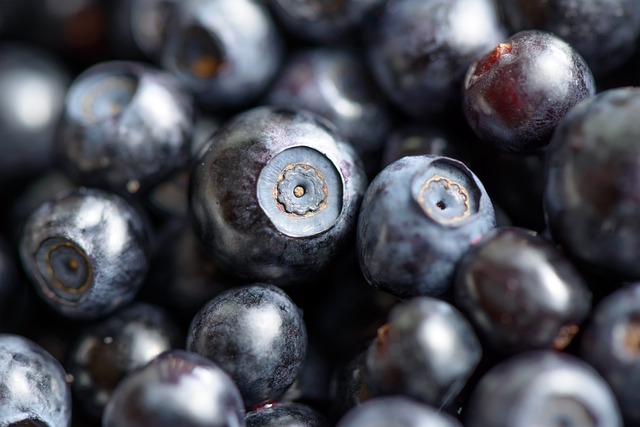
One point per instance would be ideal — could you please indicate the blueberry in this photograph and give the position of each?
(286, 415)
(323, 21)
(427, 351)
(419, 215)
(226, 52)
(33, 385)
(29, 73)
(544, 388)
(396, 411)
(334, 83)
(126, 127)
(257, 334)
(610, 344)
(515, 95)
(86, 252)
(177, 388)
(275, 196)
(107, 351)
(521, 292)
(604, 32)
(419, 50)
(590, 198)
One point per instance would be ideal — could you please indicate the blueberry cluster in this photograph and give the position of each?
(314, 213)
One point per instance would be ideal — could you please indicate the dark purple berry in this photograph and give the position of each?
(226, 52)
(428, 350)
(33, 385)
(276, 195)
(126, 127)
(396, 411)
(542, 388)
(256, 334)
(520, 292)
(611, 343)
(177, 388)
(419, 215)
(591, 198)
(286, 415)
(516, 94)
(86, 252)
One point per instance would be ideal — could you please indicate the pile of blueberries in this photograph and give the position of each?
(313, 213)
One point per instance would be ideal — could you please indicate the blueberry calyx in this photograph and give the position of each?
(629, 344)
(566, 411)
(565, 336)
(300, 190)
(445, 193)
(66, 269)
(201, 55)
(104, 96)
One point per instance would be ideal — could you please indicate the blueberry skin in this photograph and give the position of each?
(515, 95)
(604, 32)
(226, 52)
(33, 386)
(286, 415)
(419, 215)
(609, 344)
(107, 351)
(396, 411)
(334, 83)
(542, 387)
(86, 252)
(257, 335)
(260, 164)
(419, 50)
(590, 203)
(177, 388)
(521, 292)
(409, 356)
(126, 127)
(323, 21)
(27, 130)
